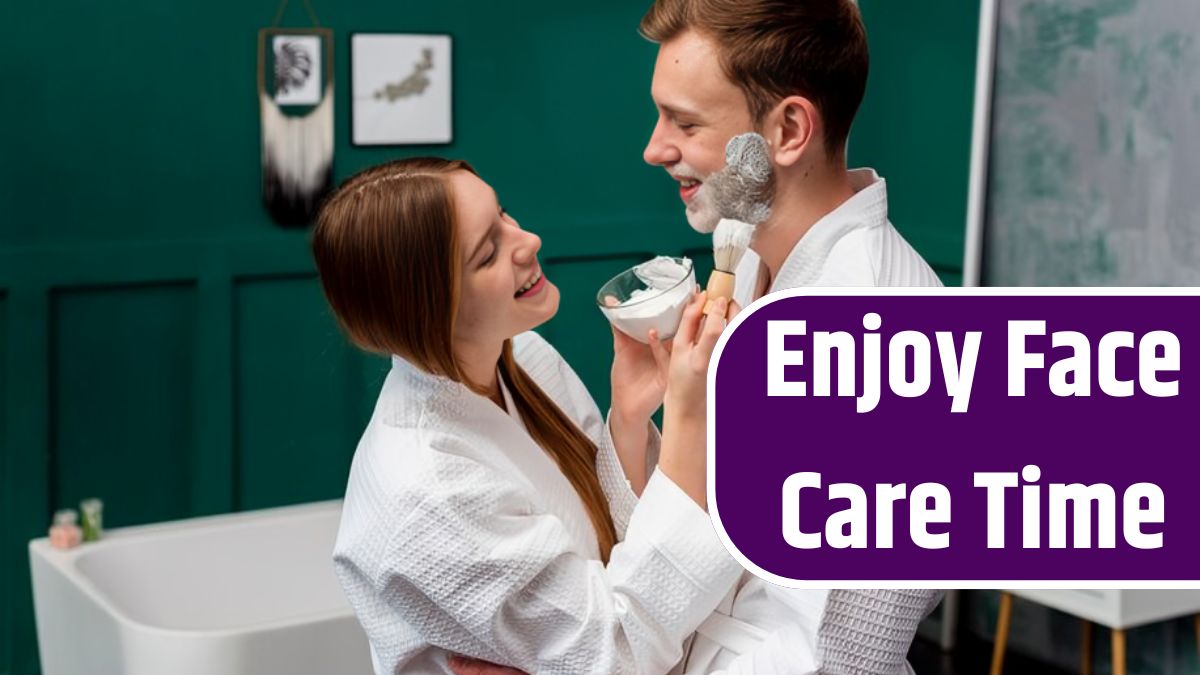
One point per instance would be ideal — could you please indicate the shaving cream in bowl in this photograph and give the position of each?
(651, 295)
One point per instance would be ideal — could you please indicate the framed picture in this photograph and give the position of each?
(401, 89)
(295, 64)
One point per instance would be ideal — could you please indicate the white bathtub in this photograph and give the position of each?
(249, 593)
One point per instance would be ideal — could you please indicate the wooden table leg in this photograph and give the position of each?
(1003, 620)
(1085, 648)
(1118, 644)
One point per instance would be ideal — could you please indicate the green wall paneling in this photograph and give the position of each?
(122, 425)
(147, 203)
(26, 428)
(373, 369)
(6, 589)
(298, 392)
(213, 459)
(152, 321)
(914, 126)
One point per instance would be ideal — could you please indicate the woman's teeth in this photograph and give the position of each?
(530, 283)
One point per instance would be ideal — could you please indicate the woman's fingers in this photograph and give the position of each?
(734, 309)
(662, 357)
(689, 325)
(620, 339)
(714, 324)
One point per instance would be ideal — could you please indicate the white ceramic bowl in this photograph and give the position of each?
(635, 308)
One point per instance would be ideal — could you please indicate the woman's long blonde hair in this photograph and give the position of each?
(387, 250)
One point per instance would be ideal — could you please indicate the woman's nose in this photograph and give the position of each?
(527, 248)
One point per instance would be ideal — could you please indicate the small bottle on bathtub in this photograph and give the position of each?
(93, 519)
(65, 532)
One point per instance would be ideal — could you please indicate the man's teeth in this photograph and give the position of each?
(530, 283)
(689, 183)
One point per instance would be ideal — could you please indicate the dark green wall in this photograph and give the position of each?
(164, 346)
(915, 124)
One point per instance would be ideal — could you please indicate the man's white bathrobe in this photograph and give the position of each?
(459, 534)
(853, 245)
(866, 632)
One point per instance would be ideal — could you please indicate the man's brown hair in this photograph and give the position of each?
(773, 49)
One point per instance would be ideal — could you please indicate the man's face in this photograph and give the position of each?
(699, 110)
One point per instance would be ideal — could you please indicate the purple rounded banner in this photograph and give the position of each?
(965, 437)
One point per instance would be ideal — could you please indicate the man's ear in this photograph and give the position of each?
(792, 126)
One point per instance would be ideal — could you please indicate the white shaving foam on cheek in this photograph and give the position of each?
(700, 212)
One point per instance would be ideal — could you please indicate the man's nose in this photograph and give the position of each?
(659, 150)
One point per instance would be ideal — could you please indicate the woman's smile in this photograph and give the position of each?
(535, 284)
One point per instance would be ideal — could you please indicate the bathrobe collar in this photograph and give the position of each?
(866, 209)
(496, 438)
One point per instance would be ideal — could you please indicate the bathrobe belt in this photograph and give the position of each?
(733, 634)
(725, 632)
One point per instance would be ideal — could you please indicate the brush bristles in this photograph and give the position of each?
(730, 241)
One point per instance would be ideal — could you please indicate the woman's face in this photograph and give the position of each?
(503, 292)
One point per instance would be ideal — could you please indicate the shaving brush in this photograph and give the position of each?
(730, 241)
(741, 194)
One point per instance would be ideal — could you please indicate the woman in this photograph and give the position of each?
(487, 495)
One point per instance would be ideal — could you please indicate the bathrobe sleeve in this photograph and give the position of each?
(475, 569)
(556, 377)
(862, 631)
(869, 631)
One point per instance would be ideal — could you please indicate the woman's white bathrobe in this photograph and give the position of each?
(459, 534)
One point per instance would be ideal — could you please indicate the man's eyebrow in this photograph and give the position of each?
(676, 111)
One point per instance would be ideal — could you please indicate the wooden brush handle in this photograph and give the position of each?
(720, 285)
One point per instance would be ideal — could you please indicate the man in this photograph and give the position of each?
(795, 72)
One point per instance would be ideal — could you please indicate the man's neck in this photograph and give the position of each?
(803, 196)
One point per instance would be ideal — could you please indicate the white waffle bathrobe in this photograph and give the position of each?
(853, 245)
(459, 534)
(856, 632)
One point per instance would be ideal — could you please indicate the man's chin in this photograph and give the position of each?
(704, 222)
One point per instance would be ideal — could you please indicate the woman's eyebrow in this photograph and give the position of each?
(482, 240)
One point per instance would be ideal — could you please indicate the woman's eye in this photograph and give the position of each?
(490, 257)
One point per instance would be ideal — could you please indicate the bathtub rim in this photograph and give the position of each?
(66, 563)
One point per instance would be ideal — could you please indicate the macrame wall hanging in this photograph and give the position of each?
(295, 100)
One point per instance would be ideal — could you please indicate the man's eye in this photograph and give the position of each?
(685, 125)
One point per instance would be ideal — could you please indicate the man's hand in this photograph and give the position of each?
(462, 665)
